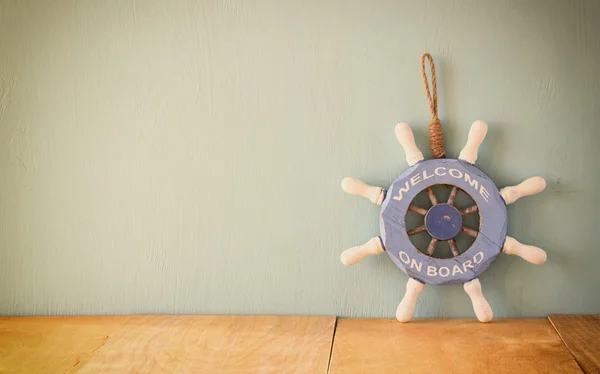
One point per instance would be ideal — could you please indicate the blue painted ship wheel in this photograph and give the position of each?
(474, 234)
(443, 222)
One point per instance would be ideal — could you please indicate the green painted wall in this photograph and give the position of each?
(186, 157)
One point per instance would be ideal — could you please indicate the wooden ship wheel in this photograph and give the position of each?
(443, 221)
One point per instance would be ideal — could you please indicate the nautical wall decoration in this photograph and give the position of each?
(442, 220)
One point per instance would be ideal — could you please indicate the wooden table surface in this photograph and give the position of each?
(292, 344)
(52, 344)
(449, 346)
(581, 335)
(165, 344)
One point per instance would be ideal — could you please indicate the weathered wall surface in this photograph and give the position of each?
(186, 156)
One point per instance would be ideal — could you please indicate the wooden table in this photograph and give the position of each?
(165, 344)
(449, 346)
(270, 344)
(581, 335)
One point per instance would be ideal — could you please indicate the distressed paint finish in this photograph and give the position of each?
(492, 230)
(185, 156)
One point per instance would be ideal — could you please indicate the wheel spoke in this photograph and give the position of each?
(417, 230)
(469, 231)
(453, 247)
(431, 196)
(469, 210)
(453, 194)
(417, 209)
(432, 245)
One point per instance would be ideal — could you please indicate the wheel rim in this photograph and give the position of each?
(479, 252)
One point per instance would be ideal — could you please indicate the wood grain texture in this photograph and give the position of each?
(217, 344)
(52, 344)
(581, 335)
(449, 346)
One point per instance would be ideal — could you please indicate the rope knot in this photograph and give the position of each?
(436, 134)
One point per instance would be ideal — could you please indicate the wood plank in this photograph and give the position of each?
(52, 344)
(581, 335)
(449, 346)
(217, 344)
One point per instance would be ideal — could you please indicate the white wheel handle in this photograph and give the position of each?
(407, 141)
(528, 253)
(476, 136)
(528, 187)
(355, 255)
(357, 187)
(407, 305)
(482, 308)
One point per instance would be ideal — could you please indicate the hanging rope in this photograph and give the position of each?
(436, 134)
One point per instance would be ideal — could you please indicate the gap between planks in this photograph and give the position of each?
(332, 344)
